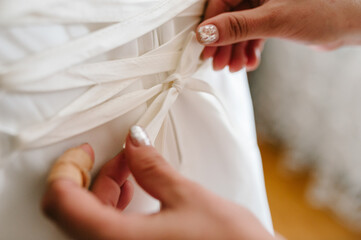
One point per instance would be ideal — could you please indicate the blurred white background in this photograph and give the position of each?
(310, 103)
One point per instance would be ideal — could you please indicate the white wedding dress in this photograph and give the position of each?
(85, 71)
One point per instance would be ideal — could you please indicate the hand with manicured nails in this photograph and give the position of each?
(237, 27)
(188, 211)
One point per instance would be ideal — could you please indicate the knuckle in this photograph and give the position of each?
(152, 163)
(238, 27)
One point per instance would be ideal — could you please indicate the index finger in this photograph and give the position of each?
(77, 212)
(74, 209)
(214, 8)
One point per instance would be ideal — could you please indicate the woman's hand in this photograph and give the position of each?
(233, 28)
(239, 54)
(188, 211)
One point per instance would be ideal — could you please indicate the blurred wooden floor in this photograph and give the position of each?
(292, 216)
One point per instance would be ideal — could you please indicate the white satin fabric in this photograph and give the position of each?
(85, 71)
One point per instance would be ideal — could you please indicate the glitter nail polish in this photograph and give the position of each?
(208, 34)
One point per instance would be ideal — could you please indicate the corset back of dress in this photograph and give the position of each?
(98, 64)
(85, 71)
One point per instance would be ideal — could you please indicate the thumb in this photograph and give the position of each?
(233, 27)
(150, 169)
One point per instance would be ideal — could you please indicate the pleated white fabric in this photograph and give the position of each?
(86, 71)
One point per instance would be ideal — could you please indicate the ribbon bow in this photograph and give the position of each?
(153, 118)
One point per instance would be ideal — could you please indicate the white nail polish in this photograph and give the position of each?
(208, 34)
(139, 137)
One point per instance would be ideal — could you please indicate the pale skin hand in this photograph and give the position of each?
(188, 210)
(323, 24)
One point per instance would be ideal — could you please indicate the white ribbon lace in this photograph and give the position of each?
(79, 116)
(61, 68)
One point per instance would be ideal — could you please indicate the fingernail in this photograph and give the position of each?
(208, 34)
(139, 137)
(87, 148)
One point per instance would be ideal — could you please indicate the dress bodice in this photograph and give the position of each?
(85, 71)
